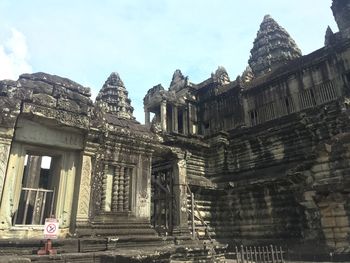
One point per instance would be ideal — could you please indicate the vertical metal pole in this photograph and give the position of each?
(166, 204)
(281, 251)
(242, 254)
(34, 206)
(255, 255)
(259, 249)
(43, 209)
(267, 253)
(192, 217)
(237, 257)
(276, 252)
(263, 253)
(272, 255)
(26, 208)
(52, 202)
(170, 175)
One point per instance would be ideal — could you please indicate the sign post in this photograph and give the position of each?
(50, 232)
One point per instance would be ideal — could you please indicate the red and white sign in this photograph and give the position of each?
(51, 228)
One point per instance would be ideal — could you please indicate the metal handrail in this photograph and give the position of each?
(39, 200)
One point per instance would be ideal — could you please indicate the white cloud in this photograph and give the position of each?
(14, 56)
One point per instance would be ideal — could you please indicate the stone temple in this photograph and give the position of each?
(260, 160)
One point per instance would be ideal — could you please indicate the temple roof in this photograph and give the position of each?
(179, 81)
(221, 76)
(113, 98)
(273, 46)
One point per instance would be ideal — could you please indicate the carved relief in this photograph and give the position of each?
(85, 187)
(4, 154)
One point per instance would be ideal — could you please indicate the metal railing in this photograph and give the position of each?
(34, 206)
(260, 254)
(195, 214)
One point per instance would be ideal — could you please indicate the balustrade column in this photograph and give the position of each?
(115, 188)
(126, 188)
(104, 188)
(120, 204)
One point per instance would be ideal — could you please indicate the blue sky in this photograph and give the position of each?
(146, 40)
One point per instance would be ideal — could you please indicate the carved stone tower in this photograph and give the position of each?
(273, 46)
(341, 12)
(113, 98)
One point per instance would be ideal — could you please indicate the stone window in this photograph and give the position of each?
(307, 99)
(325, 92)
(37, 192)
(116, 195)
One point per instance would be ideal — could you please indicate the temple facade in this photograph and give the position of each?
(256, 160)
(267, 152)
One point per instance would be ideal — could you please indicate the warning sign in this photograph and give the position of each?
(51, 228)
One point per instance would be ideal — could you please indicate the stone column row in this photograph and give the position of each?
(189, 118)
(120, 192)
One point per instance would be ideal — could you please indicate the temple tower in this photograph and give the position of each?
(341, 13)
(273, 46)
(113, 98)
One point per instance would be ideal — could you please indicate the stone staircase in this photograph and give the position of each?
(202, 247)
(199, 228)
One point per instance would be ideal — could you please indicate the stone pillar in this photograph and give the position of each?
(185, 121)
(11, 186)
(190, 118)
(246, 117)
(163, 120)
(141, 189)
(147, 118)
(83, 209)
(175, 119)
(5, 145)
(180, 193)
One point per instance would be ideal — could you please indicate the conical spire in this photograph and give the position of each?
(113, 98)
(341, 13)
(247, 75)
(328, 38)
(221, 76)
(273, 46)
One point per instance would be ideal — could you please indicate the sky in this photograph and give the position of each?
(145, 41)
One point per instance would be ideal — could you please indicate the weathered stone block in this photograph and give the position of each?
(37, 86)
(68, 105)
(7, 87)
(9, 109)
(56, 80)
(328, 222)
(341, 221)
(45, 100)
(62, 92)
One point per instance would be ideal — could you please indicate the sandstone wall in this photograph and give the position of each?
(286, 179)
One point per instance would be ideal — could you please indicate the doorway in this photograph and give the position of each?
(162, 201)
(38, 189)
